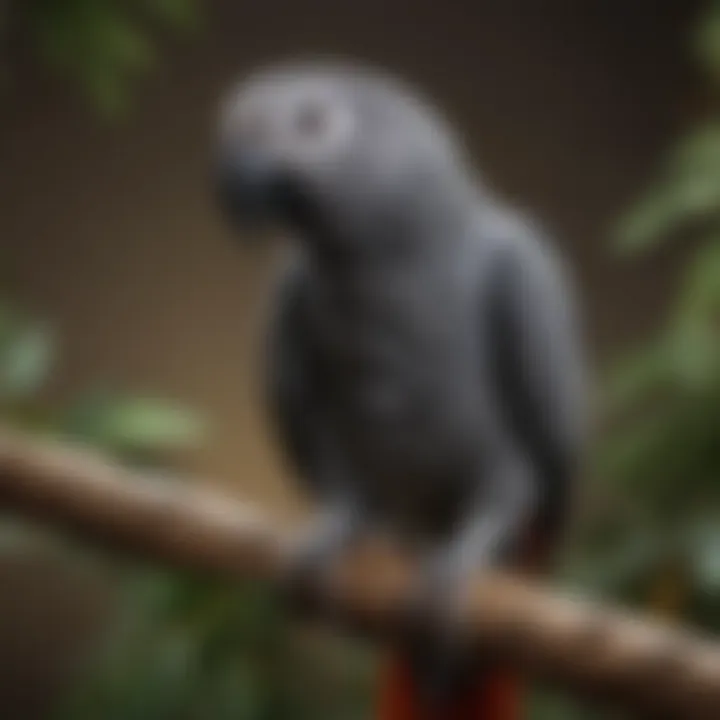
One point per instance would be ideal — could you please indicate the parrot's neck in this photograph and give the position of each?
(418, 226)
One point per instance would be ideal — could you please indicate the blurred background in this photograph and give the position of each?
(130, 318)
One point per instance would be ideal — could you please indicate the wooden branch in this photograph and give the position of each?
(593, 649)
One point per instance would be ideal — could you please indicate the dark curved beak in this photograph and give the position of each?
(248, 185)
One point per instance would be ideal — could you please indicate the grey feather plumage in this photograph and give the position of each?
(425, 364)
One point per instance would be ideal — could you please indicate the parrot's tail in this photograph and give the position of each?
(495, 695)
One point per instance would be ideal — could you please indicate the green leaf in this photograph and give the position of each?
(627, 449)
(694, 333)
(707, 40)
(704, 547)
(666, 210)
(688, 191)
(127, 47)
(698, 154)
(100, 44)
(131, 425)
(146, 424)
(234, 691)
(636, 377)
(26, 360)
(644, 226)
(695, 357)
(701, 289)
(84, 417)
(181, 14)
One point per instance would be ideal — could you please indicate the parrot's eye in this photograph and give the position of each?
(319, 127)
(311, 119)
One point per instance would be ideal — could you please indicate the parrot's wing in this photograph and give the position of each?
(293, 383)
(539, 363)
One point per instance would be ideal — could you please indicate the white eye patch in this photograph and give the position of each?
(318, 125)
(307, 122)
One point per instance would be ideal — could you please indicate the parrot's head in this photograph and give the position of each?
(328, 149)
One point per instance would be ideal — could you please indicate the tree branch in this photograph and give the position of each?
(592, 649)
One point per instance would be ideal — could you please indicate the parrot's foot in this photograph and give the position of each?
(307, 575)
(443, 591)
(311, 558)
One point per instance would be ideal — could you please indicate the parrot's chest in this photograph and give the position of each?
(409, 442)
(400, 390)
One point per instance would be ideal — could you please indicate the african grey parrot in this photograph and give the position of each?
(425, 365)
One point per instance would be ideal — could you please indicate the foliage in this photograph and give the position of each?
(190, 650)
(102, 45)
(655, 542)
(115, 422)
(180, 647)
(663, 455)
